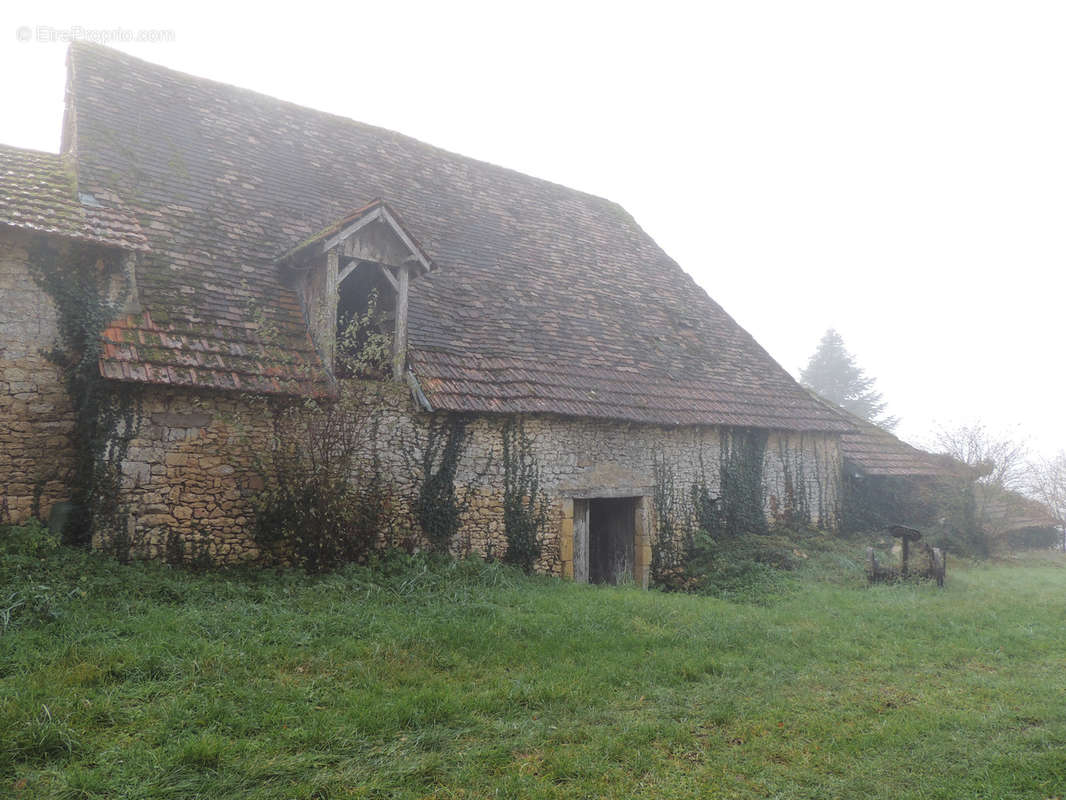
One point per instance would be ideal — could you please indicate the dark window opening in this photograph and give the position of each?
(366, 309)
(612, 536)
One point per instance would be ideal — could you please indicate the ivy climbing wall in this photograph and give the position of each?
(195, 463)
(36, 420)
(192, 464)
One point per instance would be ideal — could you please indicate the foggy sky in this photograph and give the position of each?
(894, 170)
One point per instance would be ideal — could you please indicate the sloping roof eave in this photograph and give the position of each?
(560, 282)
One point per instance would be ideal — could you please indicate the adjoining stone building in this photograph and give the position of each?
(229, 235)
(887, 482)
(1012, 521)
(39, 203)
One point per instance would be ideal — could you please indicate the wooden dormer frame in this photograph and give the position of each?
(379, 210)
(341, 241)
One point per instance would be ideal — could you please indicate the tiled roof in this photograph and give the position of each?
(878, 452)
(875, 451)
(138, 348)
(542, 298)
(1003, 511)
(38, 193)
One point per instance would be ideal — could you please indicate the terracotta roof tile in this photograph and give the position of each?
(542, 298)
(1003, 511)
(875, 451)
(38, 193)
(172, 356)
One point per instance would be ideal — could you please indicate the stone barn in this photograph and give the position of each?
(887, 482)
(199, 256)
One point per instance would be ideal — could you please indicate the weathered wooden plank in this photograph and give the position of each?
(399, 341)
(362, 222)
(416, 390)
(348, 270)
(390, 278)
(642, 539)
(328, 310)
(415, 251)
(581, 541)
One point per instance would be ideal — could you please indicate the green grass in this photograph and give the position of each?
(469, 680)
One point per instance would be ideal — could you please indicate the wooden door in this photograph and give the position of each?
(581, 541)
(612, 534)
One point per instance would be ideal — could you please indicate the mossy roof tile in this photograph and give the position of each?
(38, 192)
(542, 298)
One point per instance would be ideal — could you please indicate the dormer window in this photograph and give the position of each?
(354, 279)
(366, 321)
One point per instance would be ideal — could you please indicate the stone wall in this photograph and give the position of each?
(191, 470)
(36, 420)
(585, 458)
(193, 462)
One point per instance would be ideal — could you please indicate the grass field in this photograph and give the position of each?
(469, 680)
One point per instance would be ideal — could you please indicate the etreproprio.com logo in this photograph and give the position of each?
(78, 33)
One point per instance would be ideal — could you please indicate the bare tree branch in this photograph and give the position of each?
(999, 462)
(1047, 483)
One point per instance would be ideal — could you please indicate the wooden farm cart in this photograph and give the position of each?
(923, 563)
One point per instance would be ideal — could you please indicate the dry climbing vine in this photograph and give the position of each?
(741, 506)
(318, 509)
(793, 509)
(673, 511)
(104, 411)
(525, 505)
(438, 508)
(696, 530)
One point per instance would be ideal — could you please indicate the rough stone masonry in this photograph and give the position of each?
(235, 226)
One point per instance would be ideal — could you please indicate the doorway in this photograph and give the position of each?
(612, 539)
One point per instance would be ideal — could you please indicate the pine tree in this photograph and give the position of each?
(833, 374)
